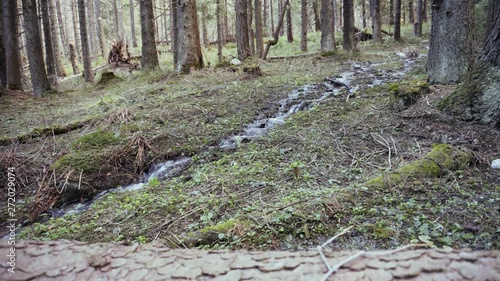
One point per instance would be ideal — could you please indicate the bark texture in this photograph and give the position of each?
(11, 44)
(132, 22)
(376, 20)
(289, 29)
(397, 20)
(242, 42)
(88, 74)
(39, 79)
(55, 40)
(349, 43)
(451, 50)
(259, 40)
(189, 54)
(67, 260)
(3, 69)
(327, 42)
(304, 21)
(149, 58)
(47, 36)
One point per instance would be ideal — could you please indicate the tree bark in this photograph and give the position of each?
(327, 44)
(76, 28)
(289, 30)
(149, 58)
(276, 34)
(39, 79)
(242, 42)
(317, 22)
(49, 51)
(304, 21)
(376, 19)
(271, 16)
(117, 25)
(397, 20)
(73, 60)
(43, 260)
(418, 23)
(226, 24)
(54, 31)
(363, 12)
(88, 74)
(265, 25)
(3, 68)
(204, 31)
(259, 40)
(391, 12)
(251, 37)
(410, 12)
(450, 59)
(132, 22)
(219, 30)
(349, 43)
(189, 54)
(11, 44)
(62, 30)
(173, 19)
(103, 46)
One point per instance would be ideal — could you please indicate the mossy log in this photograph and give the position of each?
(443, 157)
(69, 260)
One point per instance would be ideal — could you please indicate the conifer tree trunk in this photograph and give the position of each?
(226, 24)
(289, 30)
(73, 60)
(251, 37)
(304, 20)
(265, 26)
(376, 20)
(271, 10)
(397, 20)
(116, 18)
(54, 31)
(34, 48)
(173, 32)
(411, 16)
(189, 56)
(317, 22)
(327, 44)
(149, 58)
(3, 68)
(11, 44)
(132, 22)
(62, 30)
(418, 23)
(242, 41)
(259, 41)
(219, 30)
(100, 30)
(76, 28)
(88, 74)
(49, 51)
(363, 13)
(204, 31)
(348, 28)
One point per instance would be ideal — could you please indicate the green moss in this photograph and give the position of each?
(442, 157)
(95, 140)
(222, 227)
(87, 162)
(406, 93)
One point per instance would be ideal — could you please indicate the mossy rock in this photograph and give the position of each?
(442, 157)
(108, 77)
(211, 234)
(95, 140)
(406, 93)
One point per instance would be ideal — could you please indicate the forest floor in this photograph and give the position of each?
(290, 189)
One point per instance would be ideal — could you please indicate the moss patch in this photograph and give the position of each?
(95, 140)
(406, 93)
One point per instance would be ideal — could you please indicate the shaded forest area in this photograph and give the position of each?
(252, 124)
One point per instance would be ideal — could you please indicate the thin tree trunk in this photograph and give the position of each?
(327, 44)
(132, 22)
(219, 30)
(276, 33)
(173, 19)
(39, 79)
(317, 22)
(411, 15)
(403, 9)
(363, 12)
(117, 25)
(100, 30)
(149, 58)
(265, 26)
(62, 30)
(377, 24)
(76, 31)
(272, 15)
(424, 11)
(289, 30)
(242, 41)
(251, 37)
(259, 40)
(418, 24)
(397, 20)
(73, 60)
(349, 44)
(391, 12)
(188, 37)
(49, 51)
(165, 20)
(226, 24)
(281, 9)
(91, 28)
(11, 41)
(87, 65)
(204, 31)
(55, 40)
(304, 20)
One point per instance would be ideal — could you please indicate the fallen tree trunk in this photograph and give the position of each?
(68, 260)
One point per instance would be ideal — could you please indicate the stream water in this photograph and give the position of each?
(362, 74)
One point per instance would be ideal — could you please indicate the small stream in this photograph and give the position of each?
(362, 74)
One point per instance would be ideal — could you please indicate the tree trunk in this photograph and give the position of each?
(165, 21)
(174, 20)
(189, 54)
(117, 25)
(54, 31)
(149, 58)
(418, 23)
(11, 44)
(410, 12)
(132, 22)
(91, 28)
(271, 16)
(3, 68)
(377, 24)
(219, 30)
(259, 40)
(397, 20)
(363, 12)
(242, 42)
(478, 96)
(76, 31)
(317, 22)
(265, 26)
(276, 34)
(251, 38)
(226, 23)
(289, 31)
(451, 50)
(100, 30)
(73, 60)
(106, 261)
(327, 44)
(281, 9)
(87, 65)
(39, 79)
(349, 43)
(49, 51)
(391, 12)
(62, 31)
(424, 11)
(204, 31)
(304, 20)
